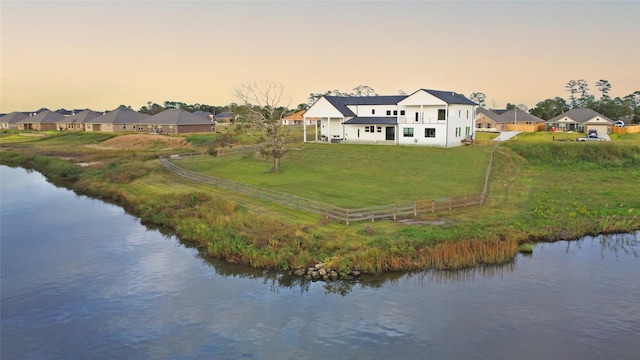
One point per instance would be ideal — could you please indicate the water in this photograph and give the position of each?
(83, 279)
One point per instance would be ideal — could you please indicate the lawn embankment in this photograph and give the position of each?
(538, 191)
(352, 176)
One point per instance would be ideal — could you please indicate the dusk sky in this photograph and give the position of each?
(101, 54)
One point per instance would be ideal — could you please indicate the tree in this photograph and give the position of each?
(550, 108)
(511, 106)
(364, 90)
(572, 88)
(478, 98)
(266, 116)
(604, 87)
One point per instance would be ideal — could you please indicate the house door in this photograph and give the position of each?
(390, 133)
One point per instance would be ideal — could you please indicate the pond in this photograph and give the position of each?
(83, 279)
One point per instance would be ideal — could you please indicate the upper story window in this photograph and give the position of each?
(388, 112)
(442, 114)
(401, 112)
(373, 111)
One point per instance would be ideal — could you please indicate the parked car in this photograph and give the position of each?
(619, 123)
(593, 134)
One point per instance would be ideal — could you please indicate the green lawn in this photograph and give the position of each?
(354, 176)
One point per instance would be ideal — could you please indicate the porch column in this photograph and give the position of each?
(304, 128)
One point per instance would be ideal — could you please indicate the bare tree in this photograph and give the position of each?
(266, 117)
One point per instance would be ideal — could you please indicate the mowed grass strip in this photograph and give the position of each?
(353, 176)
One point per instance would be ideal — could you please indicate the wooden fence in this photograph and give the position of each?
(329, 212)
(626, 130)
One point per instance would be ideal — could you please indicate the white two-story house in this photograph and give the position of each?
(426, 118)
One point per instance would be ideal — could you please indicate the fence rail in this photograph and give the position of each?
(329, 212)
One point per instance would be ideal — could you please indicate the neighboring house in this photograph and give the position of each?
(508, 120)
(426, 117)
(120, 119)
(44, 120)
(297, 118)
(581, 120)
(225, 117)
(518, 120)
(77, 121)
(10, 121)
(175, 121)
(487, 120)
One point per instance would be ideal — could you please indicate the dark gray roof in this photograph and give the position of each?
(341, 102)
(44, 117)
(372, 120)
(13, 117)
(488, 113)
(176, 117)
(201, 113)
(450, 97)
(80, 117)
(521, 116)
(119, 116)
(580, 115)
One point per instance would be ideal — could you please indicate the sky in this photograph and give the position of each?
(102, 54)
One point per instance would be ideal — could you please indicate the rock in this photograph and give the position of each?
(333, 274)
(355, 273)
(315, 275)
(310, 270)
(319, 266)
(322, 272)
(299, 272)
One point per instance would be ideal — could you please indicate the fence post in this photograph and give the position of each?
(347, 217)
(465, 201)
(433, 206)
(373, 216)
(415, 208)
(395, 212)
(449, 202)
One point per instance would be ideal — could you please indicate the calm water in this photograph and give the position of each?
(82, 279)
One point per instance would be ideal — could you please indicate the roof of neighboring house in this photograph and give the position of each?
(341, 102)
(176, 117)
(225, 115)
(80, 117)
(372, 120)
(489, 113)
(580, 116)
(119, 116)
(450, 97)
(13, 117)
(298, 115)
(204, 114)
(512, 115)
(44, 117)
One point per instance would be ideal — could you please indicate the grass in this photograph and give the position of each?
(539, 190)
(359, 175)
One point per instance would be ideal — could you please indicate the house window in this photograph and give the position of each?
(373, 111)
(407, 132)
(379, 129)
(467, 114)
(459, 113)
(467, 130)
(170, 127)
(417, 117)
(401, 112)
(441, 114)
(395, 112)
(366, 129)
(388, 112)
(429, 132)
(479, 126)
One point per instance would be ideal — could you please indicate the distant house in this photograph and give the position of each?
(426, 117)
(77, 121)
(120, 119)
(488, 120)
(508, 120)
(581, 120)
(44, 120)
(175, 121)
(297, 118)
(10, 121)
(225, 117)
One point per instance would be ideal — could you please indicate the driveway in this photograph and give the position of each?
(506, 135)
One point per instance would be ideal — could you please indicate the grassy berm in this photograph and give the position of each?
(539, 190)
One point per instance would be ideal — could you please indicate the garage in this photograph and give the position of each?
(599, 126)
